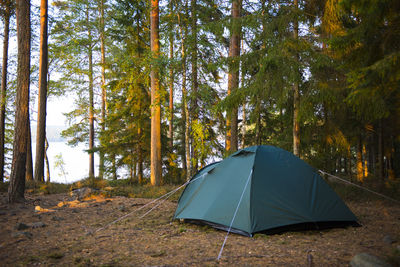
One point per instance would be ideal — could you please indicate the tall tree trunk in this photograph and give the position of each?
(3, 99)
(16, 188)
(171, 96)
(171, 93)
(103, 83)
(29, 164)
(42, 100)
(360, 173)
(243, 105)
(185, 108)
(380, 152)
(187, 122)
(258, 122)
(233, 77)
(140, 160)
(155, 165)
(47, 161)
(195, 82)
(365, 160)
(114, 167)
(296, 95)
(91, 103)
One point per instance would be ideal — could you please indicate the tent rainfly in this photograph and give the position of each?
(262, 189)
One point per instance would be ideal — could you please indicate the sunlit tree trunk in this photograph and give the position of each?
(365, 161)
(3, 99)
(171, 93)
(155, 165)
(42, 99)
(91, 103)
(296, 96)
(17, 179)
(360, 173)
(233, 77)
(103, 83)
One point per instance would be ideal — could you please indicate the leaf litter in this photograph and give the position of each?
(70, 236)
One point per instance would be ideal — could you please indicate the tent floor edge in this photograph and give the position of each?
(309, 226)
(218, 226)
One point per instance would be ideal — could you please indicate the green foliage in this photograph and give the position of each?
(345, 60)
(46, 188)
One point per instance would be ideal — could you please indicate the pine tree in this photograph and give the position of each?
(156, 172)
(7, 9)
(75, 33)
(17, 179)
(42, 100)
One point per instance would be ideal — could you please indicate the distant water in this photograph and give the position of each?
(76, 162)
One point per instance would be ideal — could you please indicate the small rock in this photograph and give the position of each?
(21, 226)
(367, 260)
(22, 234)
(388, 240)
(57, 219)
(122, 208)
(81, 193)
(37, 225)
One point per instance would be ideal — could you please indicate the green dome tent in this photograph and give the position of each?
(262, 189)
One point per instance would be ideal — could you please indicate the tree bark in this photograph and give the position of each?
(233, 77)
(103, 83)
(360, 173)
(195, 82)
(3, 99)
(185, 108)
(47, 161)
(17, 179)
(296, 96)
(155, 165)
(42, 99)
(380, 152)
(171, 90)
(365, 161)
(29, 163)
(91, 103)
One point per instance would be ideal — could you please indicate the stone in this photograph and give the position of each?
(37, 225)
(81, 193)
(22, 234)
(57, 219)
(122, 208)
(367, 260)
(21, 226)
(2, 213)
(388, 240)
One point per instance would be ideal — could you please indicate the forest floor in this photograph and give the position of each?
(63, 233)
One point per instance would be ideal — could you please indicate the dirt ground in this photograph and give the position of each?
(75, 233)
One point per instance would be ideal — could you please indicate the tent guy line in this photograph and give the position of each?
(234, 216)
(170, 194)
(167, 195)
(359, 186)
